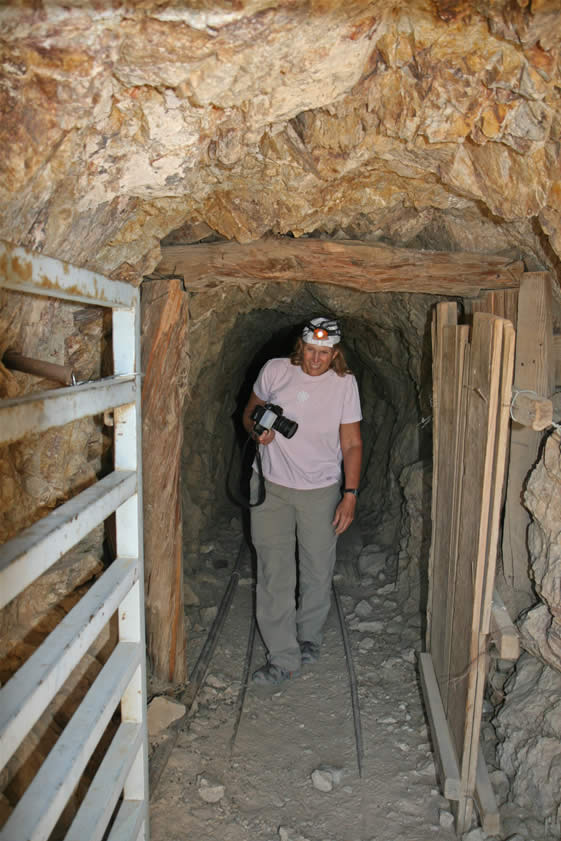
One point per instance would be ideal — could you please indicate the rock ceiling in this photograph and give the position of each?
(428, 125)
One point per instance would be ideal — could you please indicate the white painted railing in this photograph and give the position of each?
(116, 804)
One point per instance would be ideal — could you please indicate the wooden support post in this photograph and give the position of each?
(165, 363)
(534, 372)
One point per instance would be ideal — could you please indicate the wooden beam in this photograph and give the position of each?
(557, 360)
(356, 265)
(503, 632)
(485, 799)
(445, 755)
(533, 373)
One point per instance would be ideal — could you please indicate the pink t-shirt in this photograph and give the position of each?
(312, 457)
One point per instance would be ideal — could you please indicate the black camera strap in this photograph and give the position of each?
(237, 495)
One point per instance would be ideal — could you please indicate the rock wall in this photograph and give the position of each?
(529, 751)
(541, 627)
(429, 124)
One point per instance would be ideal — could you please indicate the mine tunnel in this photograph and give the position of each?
(386, 341)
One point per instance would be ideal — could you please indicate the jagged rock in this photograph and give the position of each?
(528, 727)
(161, 713)
(372, 560)
(363, 609)
(541, 627)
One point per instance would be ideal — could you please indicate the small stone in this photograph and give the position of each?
(372, 627)
(209, 791)
(216, 682)
(363, 609)
(286, 833)
(335, 771)
(366, 644)
(445, 819)
(161, 713)
(476, 834)
(322, 780)
(388, 588)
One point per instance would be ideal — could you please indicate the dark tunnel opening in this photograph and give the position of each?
(386, 339)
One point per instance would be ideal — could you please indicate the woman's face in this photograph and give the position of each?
(316, 360)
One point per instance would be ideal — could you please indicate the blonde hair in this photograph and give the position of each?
(338, 363)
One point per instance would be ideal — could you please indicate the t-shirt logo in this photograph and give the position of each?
(302, 396)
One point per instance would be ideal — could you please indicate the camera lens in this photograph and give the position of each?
(285, 426)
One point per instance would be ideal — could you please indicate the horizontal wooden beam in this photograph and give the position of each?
(356, 265)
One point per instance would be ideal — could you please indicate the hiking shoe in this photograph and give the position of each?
(309, 652)
(271, 675)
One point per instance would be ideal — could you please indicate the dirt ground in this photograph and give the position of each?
(261, 788)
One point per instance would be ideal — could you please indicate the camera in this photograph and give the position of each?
(271, 417)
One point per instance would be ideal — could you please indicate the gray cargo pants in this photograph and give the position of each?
(288, 513)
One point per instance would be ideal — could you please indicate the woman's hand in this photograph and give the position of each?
(266, 437)
(344, 513)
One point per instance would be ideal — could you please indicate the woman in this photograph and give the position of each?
(303, 495)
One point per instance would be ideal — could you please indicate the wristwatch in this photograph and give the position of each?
(353, 491)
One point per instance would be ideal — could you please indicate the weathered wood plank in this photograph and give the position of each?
(456, 491)
(557, 360)
(499, 469)
(444, 751)
(534, 372)
(445, 314)
(357, 265)
(468, 662)
(485, 799)
(503, 631)
(165, 361)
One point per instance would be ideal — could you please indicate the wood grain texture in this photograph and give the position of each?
(534, 372)
(348, 263)
(165, 364)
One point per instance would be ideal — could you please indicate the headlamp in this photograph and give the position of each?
(322, 331)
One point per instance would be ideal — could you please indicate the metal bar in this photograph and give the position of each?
(29, 554)
(128, 455)
(37, 412)
(245, 680)
(40, 807)
(39, 368)
(26, 271)
(96, 809)
(130, 823)
(30, 690)
(352, 678)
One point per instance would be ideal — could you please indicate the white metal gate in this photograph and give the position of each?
(116, 804)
